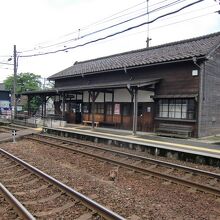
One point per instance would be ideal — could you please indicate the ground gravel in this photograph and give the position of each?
(131, 193)
(6, 210)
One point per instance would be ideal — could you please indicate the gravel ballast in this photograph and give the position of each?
(131, 193)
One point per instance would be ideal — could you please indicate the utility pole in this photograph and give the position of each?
(148, 19)
(15, 82)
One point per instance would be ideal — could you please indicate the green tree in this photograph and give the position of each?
(26, 82)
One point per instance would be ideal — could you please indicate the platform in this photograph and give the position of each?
(195, 147)
(7, 136)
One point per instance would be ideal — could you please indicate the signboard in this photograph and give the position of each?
(19, 108)
(117, 109)
(4, 104)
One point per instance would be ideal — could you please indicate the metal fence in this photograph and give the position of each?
(39, 121)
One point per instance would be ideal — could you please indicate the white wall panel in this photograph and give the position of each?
(144, 96)
(121, 95)
(85, 96)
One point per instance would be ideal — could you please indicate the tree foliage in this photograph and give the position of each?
(25, 82)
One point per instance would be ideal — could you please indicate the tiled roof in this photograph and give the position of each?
(195, 47)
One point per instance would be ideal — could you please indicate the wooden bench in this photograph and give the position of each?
(108, 124)
(90, 123)
(174, 130)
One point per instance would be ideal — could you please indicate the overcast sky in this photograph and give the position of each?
(35, 25)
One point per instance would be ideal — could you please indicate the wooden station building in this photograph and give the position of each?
(166, 88)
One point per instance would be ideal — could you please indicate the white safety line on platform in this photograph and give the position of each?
(153, 141)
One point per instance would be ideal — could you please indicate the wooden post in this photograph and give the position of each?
(29, 111)
(135, 111)
(63, 106)
(45, 106)
(42, 108)
(93, 109)
(113, 99)
(94, 97)
(104, 106)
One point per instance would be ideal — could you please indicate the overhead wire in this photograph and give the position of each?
(92, 24)
(6, 68)
(114, 34)
(111, 26)
(131, 19)
(109, 18)
(6, 63)
(169, 24)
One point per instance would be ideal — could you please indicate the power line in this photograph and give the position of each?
(6, 63)
(169, 24)
(114, 34)
(181, 21)
(185, 20)
(93, 24)
(111, 26)
(5, 68)
(107, 19)
(131, 19)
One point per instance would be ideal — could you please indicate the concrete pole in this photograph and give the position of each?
(15, 81)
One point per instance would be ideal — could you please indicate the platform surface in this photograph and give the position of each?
(194, 146)
(7, 136)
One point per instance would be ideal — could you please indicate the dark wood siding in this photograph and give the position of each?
(176, 78)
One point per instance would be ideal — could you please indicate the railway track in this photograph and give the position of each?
(36, 195)
(197, 179)
(6, 208)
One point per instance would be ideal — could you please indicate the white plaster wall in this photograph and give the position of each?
(100, 98)
(121, 95)
(85, 96)
(108, 97)
(145, 96)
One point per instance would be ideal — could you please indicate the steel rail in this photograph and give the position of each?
(101, 210)
(21, 210)
(160, 162)
(167, 177)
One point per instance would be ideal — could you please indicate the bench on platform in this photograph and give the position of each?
(96, 123)
(108, 124)
(174, 130)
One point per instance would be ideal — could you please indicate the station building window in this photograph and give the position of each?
(117, 109)
(99, 108)
(126, 109)
(86, 108)
(176, 108)
(109, 109)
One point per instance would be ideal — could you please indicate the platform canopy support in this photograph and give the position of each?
(135, 110)
(63, 105)
(94, 96)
